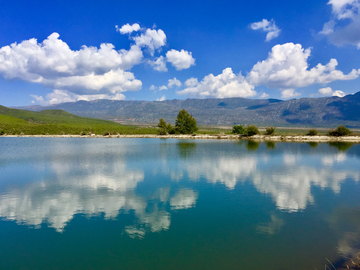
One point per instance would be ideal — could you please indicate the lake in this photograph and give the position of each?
(95, 203)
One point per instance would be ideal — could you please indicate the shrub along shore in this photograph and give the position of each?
(274, 138)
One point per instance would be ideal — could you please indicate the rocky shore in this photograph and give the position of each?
(276, 138)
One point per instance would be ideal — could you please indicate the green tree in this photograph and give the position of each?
(340, 131)
(170, 129)
(312, 132)
(238, 129)
(163, 127)
(269, 130)
(251, 130)
(185, 123)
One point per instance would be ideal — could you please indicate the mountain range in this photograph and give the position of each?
(317, 112)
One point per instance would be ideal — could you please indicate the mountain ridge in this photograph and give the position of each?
(318, 112)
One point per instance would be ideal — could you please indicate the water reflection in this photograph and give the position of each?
(273, 227)
(98, 180)
(313, 144)
(186, 149)
(270, 145)
(252, 145)
(341, 146)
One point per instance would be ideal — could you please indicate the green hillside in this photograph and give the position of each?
(57, 122)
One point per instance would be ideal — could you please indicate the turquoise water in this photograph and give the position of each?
(75, 203)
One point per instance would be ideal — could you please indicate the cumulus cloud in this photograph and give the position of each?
(88, 71)
(267, 26)
(327, 91)
(224, 85)
(338, 30)
(289, 93)
(287, 67)
(152, 39)
(163, 87)
(174, 82)
(152, 87)
(159, 64)
(161, 99)
(191, 82)
(338, 93)
(264, 95)
(180, 59)
(127, 28)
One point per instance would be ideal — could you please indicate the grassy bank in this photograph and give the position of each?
(59, 122)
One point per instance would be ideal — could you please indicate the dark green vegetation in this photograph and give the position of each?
(312, 132)
(251, 130)
(184, 124)
(247, 131)
(269, 130)
(239, 129)
(57, 122)
(304, 112)
(340, 131)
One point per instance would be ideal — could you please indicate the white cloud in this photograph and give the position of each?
(61, 96)
(180, 59)
(346, 32)
(287, 67)
(88, 71)
(267, 26)
(327, 91)
(191, 82)
(152, 87)
(338, 93)
(174, 82)
(289, 93)
(159, 64)
(344, 8)
(264, 95)
(224, 85)
(127, 28)
(163, 87)
(152, 39)
(161, 99)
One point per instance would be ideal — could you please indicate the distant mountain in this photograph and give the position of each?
(326, 111)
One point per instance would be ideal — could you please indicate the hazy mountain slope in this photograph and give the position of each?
(326, 111)
(13, 121)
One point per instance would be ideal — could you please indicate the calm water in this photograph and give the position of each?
(176, 204)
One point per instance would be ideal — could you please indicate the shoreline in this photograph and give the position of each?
(274, 138)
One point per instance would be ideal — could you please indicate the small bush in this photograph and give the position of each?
(340, 131)
(312, 132)
(269, 130)
(251, 130)
(238, 129)
(106, 133)
(162, 132)
(82, 133)
(2, 132)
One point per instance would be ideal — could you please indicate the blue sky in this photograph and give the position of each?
(59, 51)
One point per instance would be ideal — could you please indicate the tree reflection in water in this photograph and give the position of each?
(341, 146)
(313, 144)
(252, 145)
(186, 149)
(270, 145)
